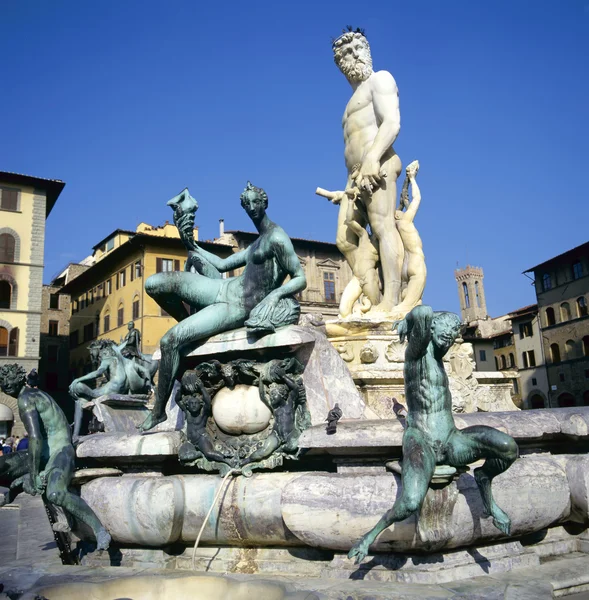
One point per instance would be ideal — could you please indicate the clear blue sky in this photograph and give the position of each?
(128, 102)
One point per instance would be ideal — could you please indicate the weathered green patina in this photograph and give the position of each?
(258, 298)
(133, 375)
(431, 437)
(51, 456)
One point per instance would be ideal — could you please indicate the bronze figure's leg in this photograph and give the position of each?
(180, 340)
(500, 451)
(419, 463)
(59, 473)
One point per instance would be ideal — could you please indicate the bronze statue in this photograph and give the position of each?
(259, 298)
(51, 456)
(431, 437)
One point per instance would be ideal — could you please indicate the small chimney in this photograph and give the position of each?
(221, 227)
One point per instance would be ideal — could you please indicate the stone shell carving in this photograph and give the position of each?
(395, 352)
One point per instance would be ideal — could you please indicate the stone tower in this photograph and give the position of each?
(471, 293)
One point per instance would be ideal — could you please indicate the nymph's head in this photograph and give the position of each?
(254, 201)
(445, 330)
(184, 207)
(351, 53)
(12, 379)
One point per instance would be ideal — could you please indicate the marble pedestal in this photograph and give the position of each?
(375, 358)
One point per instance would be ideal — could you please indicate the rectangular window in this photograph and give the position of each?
(110, 244)
(515, 387)
(526, 363)
(88, 332)
(137, 269)
(165, 265)
(546, 282)
(52, 353)
(329, 286)
(74, 306)
(53, 327)
(54, 301)
(525, 330)
(534, 381)
(482, 355)
(108, 287)
(135, 310)
(577, 270)
(8, 199)
(532, 358)
(123, 278)
(106, 324)
(561, 376)
(73, 339)
(120, 316)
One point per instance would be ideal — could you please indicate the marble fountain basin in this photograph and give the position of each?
(172, 586)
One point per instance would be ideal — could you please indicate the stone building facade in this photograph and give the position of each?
(562, 291)
(110, 291)
(529, 353)
(25, 203)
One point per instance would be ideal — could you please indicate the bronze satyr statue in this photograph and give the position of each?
(431, 437)
(258, 298)
(51, 456)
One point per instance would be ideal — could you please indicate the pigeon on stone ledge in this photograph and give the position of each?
(333, 416)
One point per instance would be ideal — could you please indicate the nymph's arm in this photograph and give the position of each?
(239, 259)
(89, 376)
(30, 418)
(289, 261)
(418, 324)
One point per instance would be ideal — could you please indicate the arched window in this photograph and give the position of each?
(466, 296)
(582, 306)
(7, 248)
(550, 318)
(496, 364)
(106, 323)
(8, 342)
(565, 312)
(555, 353)
(586, 345)
(511, 360)
(503, 362)
(566, 399)
(478, 296)
(570, 348)
(5, 294)
(120, 315)
(536, 401)
(546, 282)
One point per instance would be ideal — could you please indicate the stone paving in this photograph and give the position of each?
(25, 533)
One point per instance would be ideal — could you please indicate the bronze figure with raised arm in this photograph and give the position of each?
(431, 437)
(258, 298)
